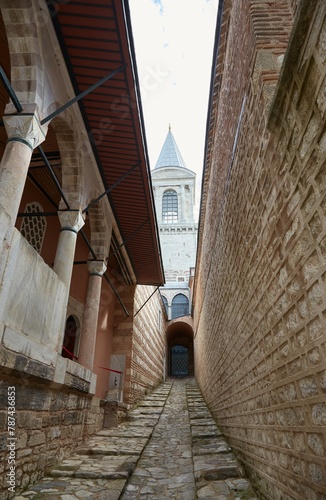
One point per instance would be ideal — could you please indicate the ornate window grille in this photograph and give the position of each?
(33, 228)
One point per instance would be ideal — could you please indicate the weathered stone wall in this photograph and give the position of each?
(178, 248)
(50, 422)
(260, 294)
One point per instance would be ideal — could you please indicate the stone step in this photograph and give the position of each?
(198, 415)
(205, 431)
(216, 467)
(141, 414)
(151, 403)
(113, 446)
(67, 488)
(142, 420)
(197, 407)
(210, 446)
(197, 404)
(158, 452)
(144, 411)
(96, 467)
(229, 489)
(127, 431)
(194, 422)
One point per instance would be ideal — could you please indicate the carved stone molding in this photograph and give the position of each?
(96, 267)
(26, 128)
(71, 220)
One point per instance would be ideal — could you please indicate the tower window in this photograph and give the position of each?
(170, 207)
(180, 306)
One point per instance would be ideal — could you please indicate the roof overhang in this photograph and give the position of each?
(96, 40)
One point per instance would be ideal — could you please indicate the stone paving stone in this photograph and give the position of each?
(165, 469)
(168, 448)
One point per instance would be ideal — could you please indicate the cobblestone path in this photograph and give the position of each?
(170, 448)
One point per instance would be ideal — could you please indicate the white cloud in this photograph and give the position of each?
(174, 42)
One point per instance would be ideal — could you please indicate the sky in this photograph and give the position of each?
(174, 41)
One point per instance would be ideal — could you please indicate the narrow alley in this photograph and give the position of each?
(169, 447)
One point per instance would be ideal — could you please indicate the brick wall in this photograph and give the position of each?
(260, 293)
(148, 342)
(141, 338)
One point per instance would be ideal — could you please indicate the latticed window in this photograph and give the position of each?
(33, 227)
(170, 207)
(180, 306)
(179, 360)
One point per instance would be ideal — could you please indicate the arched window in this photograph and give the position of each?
(180, 306)
(170, 207)
(71, 339)
(33, 227)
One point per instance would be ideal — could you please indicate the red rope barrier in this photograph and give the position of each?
(70, 353)
(109, 369)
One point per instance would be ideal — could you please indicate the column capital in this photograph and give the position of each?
(96, 267)
(71, 220)
(25, 128)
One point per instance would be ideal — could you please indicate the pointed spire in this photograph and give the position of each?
(170, 155)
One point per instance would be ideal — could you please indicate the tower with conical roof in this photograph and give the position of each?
(174, 194)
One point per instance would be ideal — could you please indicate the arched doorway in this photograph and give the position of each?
(179, 359)
(71, 339)
(180, 349)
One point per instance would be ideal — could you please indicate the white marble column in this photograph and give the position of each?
(25, 133)
(71, 222)
(96, 270)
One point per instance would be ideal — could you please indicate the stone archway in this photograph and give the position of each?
(180, 348)
(71, 338)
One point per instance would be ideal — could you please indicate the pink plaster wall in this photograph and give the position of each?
(103, 348)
